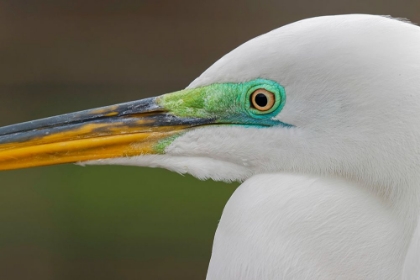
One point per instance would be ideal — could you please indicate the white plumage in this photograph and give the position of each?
(337, 196)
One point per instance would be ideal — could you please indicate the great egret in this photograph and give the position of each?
(320, 118)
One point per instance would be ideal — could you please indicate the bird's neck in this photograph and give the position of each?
(317, 227)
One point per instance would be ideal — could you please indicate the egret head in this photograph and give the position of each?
(327, 96)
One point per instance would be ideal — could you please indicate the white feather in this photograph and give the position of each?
(353, 94)
(300, 227)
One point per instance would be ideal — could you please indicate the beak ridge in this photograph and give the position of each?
(140, 106)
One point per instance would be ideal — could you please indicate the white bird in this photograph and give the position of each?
(319, 118)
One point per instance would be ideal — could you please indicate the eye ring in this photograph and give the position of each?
(262, 99)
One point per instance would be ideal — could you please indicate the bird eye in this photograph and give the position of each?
(262, 99)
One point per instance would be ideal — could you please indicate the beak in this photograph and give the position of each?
(122, 130)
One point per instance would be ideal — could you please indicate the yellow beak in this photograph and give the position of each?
(123, 130)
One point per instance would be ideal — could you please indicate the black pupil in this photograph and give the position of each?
(261, 99)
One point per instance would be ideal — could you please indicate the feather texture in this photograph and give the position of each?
(351, 208)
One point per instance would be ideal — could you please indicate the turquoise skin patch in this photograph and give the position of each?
(227, 103)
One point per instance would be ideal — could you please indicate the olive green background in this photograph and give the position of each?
(112, 222)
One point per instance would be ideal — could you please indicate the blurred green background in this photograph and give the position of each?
(111, 222)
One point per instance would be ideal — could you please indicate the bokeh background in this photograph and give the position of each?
(110, 222)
